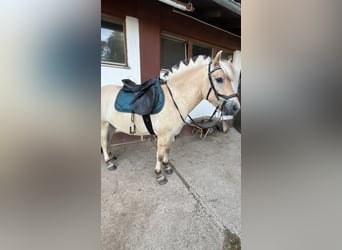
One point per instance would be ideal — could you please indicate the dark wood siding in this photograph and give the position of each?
(149, 29)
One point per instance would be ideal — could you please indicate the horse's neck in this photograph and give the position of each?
(186, 89)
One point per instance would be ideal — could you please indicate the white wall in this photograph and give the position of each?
(114, 74)
(204, 108)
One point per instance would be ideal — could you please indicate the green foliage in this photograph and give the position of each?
(231, 241)
(113, 49)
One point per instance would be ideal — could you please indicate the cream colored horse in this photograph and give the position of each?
(188, 83)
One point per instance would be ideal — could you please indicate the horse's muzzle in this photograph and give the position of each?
(230, 107)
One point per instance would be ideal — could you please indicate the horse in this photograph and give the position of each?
(186, 84)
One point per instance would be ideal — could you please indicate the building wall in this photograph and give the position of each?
(114, 74)
(149, 19)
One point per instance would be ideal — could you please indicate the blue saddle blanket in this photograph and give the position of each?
(123, 102)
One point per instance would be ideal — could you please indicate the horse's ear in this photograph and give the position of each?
(217, 58)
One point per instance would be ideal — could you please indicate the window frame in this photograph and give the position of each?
(109, 18)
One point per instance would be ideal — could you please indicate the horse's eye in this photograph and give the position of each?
(219, 80)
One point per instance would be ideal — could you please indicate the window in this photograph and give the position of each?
(112, 42)
(201, 50)
(172, 51)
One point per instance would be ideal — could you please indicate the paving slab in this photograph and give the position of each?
(138, 213)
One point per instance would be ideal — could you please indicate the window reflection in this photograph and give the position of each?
(112, 42)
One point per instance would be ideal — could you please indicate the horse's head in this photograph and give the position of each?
(223, 83)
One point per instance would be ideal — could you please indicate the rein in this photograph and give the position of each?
(174, 102)
(194, 124)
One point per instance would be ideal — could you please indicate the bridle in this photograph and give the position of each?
(212, 87)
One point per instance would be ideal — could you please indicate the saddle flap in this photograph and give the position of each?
(144, 102)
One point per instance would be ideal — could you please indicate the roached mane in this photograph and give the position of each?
(194, 61)
(199, 60)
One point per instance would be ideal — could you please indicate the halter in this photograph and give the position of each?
(212, 87)
(218, 95)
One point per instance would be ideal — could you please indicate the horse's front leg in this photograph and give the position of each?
(166, 166)
(163, 149)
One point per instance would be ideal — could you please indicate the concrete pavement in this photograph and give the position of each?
(192, 211)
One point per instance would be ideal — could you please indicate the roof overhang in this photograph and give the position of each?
(223, 14)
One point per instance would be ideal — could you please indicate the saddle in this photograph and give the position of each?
(144, 96)
(143, 99)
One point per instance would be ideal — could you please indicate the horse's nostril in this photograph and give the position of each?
(235, 107)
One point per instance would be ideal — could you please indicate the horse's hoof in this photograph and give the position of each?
(111, 166)
(162, 180)
(168, 170)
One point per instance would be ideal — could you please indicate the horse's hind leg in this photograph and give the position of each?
(105, 136)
